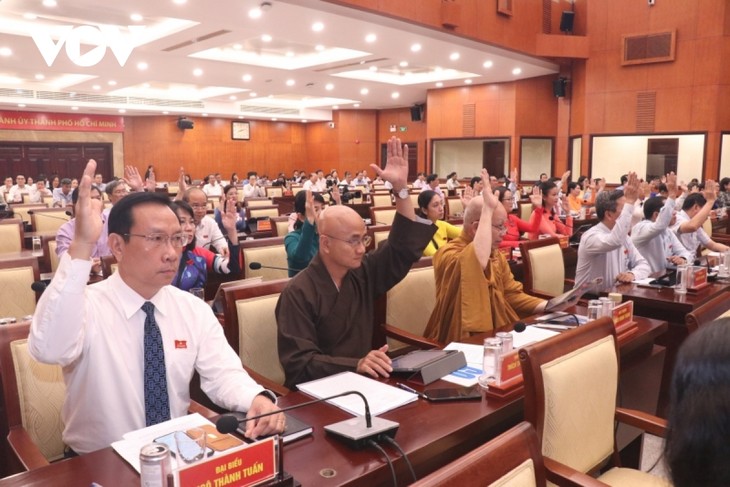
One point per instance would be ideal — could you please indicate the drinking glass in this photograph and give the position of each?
(191, 444)
(682, 279)
(490, 367)
(198, 292)
(595, 309)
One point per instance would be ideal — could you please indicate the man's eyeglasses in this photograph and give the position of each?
(157, 240)
(199, 207)
(500, 228)
(354, 242)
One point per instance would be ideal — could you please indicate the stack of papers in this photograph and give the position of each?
(381, 397)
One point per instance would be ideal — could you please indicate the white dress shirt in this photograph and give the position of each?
(690, 240)
(253, 191)
(212, 190)
(606, 253)
(15, 195)
(656, 242)
(96, 333)
(208, 234)
(309, 186)
(36, 195)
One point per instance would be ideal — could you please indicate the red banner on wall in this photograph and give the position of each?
(66, 122)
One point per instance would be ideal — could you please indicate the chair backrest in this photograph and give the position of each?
(280, 225)
(383, 199)
(34, 392)
(251, 326)
(21, 211)
(109, 265)
(48, 219)
(378, 233)
(414, 199)
(382, 215)
(409, 303)
(51, 252)
(525, 210)
(543, 265)
(263, 211)
(570, 394)
(256, 202)
(708, 312)
(268, 252)
(17, 299)
(11, 235)
(512, 459)
(274, 191)
(454, 207)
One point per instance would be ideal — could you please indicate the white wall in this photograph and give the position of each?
(577, 158)
(536, 158)
(725, 157)
(463, 156)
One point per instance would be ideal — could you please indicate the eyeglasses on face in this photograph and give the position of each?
(354, 242)
(500, 228)
(199, 206)
(157, 240)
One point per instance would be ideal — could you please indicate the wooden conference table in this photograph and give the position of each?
(432, 434)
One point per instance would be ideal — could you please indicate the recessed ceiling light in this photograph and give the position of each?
(438, 69)
(136, 17)
(197, 72)
(246, 77)
(122, 110)
(289, 54)
(356, 105)
(266, 38)
(270, 96)
(252, 94)
(111, 82)
(318, 27)
(255, 13)
(364, 91)
(240, 117)
(233, 97)
(516, 71)
(96, 87)
(30, 16)
(21, 105)
(319, 47)
(180, 2)
(439, 84)
(165, 113)
(415, 47)
(373, 68)
(467, 81)
(329, 87)
(145, 85)
(205, 114)
(274, 119)
(335, 107)
(5, 51)
(237, 47)
(142, 66)
(454, 56)
(488, 64)
(72, 94)
(371, 38)
(49, 3)
(290, 82)
(395, 95)
(403, 64)
(304, 121)
(74, 108)
(39, 77)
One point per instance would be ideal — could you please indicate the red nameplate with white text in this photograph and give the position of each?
(699, 278)
(249, 465)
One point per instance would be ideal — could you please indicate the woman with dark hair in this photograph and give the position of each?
(234, 180)
(515, 225)
(452, 181)
(698, 440)
(550, 223)
(302, 244)
(55, 181)
(196, 262)
(431, 207)
(230, 197)
(149, 173)
(723, 196)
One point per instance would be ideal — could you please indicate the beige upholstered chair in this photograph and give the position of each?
(296, 189)
(256, 202)
(544, 267)
(571, 383)
(268, 252)
(382, 199)
(263, 211)
(250, 324)
(454, 207)
(717, 307)
(49, 219)
(274, 191)
(379, 234)
(414, 199)
(52, 256)
(11, 235)
(21, 211)
(512, 459)
(280, 225)
(410, 302)
(382, 215)
(525, 210)
(17, 299)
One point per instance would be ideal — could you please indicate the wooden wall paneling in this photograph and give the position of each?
(706, 62)
(595, 115)
(620, 112)
(11, 160)
(701, 106)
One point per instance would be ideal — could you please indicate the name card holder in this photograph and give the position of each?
(511, 383)
(623, 320)
(698, 279)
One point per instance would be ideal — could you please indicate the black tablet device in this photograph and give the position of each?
(415, 361)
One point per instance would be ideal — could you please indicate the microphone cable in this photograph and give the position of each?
(402, 454)
(387, 459)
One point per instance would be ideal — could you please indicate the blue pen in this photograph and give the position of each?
(411, 390)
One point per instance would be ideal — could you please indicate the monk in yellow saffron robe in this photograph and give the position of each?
(475, 289)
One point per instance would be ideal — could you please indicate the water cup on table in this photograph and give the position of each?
(37, 249)
(683, 276)
(198, 292)
(724, 264)
(595, 309)
(191, 444)
(490, 366)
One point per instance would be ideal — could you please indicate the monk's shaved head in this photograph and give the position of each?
(339, 220)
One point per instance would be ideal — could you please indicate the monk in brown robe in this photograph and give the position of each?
(475, 289)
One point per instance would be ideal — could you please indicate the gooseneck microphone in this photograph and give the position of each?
(38, 286)
(519, 326)
(351, 431)
(254, 266)
(46, 215)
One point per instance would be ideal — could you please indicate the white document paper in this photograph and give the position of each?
(133, 441)
(381, 397)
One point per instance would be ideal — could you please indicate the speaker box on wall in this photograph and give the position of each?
(416, 113)
(566, 21)
(559, 87)
(184, 124)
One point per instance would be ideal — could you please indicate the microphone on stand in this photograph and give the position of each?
(38, 286)
(352, 431)
(254, 266)
(46, 215)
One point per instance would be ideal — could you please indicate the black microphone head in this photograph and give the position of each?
(226, 424)
(520, 326)
(254, 266)
(38, 286)
(69, 213)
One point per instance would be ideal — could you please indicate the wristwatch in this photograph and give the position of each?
(403, 194)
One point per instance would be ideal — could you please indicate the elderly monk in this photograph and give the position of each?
(325, 314)
(475, 289)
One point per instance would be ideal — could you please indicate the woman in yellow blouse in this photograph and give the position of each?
(431, 207)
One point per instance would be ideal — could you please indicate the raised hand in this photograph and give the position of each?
(491, 200)
(671, 182)
(309, 212)
(229, 218)
(151, 182)
(536, 196)
(467, 195)
(710, 191)
(396, 166)
(336, 195)
(88, 217)
(133, 179)
(631, 188)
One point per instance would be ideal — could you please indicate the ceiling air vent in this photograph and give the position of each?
(645, 111)
(268, 110)
(648, 48)
(469, 120)
(15, 93)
